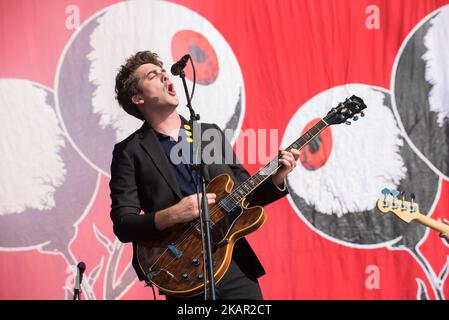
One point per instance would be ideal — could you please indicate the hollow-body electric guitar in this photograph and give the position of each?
(174, 263)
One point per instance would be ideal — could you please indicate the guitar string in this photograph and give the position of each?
(180, 242)
(184, 236)
(191, 229)
(321, 121)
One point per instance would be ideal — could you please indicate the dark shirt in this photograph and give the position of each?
(180, 160)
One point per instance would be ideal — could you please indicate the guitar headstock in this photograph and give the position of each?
(407, 211)
(348, 109)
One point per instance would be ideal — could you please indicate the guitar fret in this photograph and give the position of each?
(308, 136)
(259, 177)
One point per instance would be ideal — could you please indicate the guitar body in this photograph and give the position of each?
(174, 263)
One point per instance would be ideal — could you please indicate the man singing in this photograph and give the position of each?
(151, 193)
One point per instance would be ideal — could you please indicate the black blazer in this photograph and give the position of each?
(143, 182)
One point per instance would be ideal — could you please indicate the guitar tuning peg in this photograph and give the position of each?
(412, 197)
(395, 194)
(362, 114)
(355, 118)
(403, 207)
(386, 192)
(348, 123)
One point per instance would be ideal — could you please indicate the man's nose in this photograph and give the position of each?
(164, 76)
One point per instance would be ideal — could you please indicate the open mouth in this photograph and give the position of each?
(171, 89)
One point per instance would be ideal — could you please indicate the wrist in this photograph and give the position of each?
(278, 182)
(281, 186)
(165, 218)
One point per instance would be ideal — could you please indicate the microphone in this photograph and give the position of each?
(81, 267)
(180, 65)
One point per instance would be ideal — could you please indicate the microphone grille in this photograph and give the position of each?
(82, 266)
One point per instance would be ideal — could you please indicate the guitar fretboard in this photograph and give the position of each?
(244, 189)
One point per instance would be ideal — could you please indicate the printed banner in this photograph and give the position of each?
(266, 72)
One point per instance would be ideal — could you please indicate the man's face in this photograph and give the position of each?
(156, 88)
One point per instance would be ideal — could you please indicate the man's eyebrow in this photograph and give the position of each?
(154, 71)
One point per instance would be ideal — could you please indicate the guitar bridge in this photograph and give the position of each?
(170, 274)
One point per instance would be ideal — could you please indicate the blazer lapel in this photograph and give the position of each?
(153, 148)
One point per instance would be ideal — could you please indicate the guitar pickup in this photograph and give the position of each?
(174, 251)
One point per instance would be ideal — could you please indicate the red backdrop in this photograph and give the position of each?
(288, 52)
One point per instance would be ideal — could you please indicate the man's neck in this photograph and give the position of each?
(166, 123)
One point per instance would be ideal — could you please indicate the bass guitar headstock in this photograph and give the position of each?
(407, 211)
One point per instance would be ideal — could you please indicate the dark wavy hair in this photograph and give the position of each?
(126, 82)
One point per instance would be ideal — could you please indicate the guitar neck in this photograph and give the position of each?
(269, 169)
(432, 223)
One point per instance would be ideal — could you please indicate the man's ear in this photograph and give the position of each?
(137, 99)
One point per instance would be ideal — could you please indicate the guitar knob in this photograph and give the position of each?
(355, 118)
(196, 262)
(185, 276)
(200, 277)
(395, 194)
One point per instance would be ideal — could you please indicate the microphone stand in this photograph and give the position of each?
(201, 190)
(77, 288)
(76, 294)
